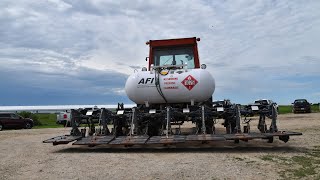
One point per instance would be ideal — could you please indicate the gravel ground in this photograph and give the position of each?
(24, 156)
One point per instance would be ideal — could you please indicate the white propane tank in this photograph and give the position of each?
(177, 86)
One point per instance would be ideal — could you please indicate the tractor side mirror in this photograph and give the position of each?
(147, 58)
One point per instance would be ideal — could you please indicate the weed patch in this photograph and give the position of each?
(296, 167)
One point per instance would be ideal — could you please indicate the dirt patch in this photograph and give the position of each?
(24, 156)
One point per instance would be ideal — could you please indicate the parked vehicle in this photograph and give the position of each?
(301, 105)
(64, 118)
(265, 102)
(258, 105)
(14, 121)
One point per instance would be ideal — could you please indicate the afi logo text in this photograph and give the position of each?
(146, 81)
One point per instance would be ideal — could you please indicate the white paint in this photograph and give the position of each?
(220, 109)
(146, 90)
(255, 108)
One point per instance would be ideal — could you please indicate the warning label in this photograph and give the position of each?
(189, 82)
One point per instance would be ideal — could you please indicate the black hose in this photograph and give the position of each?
(156, 76)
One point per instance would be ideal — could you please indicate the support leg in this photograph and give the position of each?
(74, 116)
(168, 128)
(104, 122)
(133, 122)
(262, 123)
(274, 114)
(238, 119)
(203, 128)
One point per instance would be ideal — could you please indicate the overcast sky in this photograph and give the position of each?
(81, 52)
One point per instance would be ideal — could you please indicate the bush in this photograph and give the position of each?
(32, 116)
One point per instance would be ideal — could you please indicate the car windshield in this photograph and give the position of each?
(217, 102)
(174, 56)
(14, 116)
(300, 101)
(265, 102)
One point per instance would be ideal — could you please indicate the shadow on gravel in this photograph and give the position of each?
(173, 149)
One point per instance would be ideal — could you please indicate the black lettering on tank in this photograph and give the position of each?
(146, 81)
(141, 81)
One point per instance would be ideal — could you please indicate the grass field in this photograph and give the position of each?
(48, 121)
(298, 166)
(284, 109)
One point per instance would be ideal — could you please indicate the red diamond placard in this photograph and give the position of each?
(189, 82)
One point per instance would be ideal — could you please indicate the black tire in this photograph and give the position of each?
(1, 127)
(27, 125)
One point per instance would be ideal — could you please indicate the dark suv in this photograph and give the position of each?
(13, 120)
(301, 105)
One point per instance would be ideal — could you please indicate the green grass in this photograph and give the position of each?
(297, 167)
(268, 158)
(47, 121)
(284, 109)
(315, 108)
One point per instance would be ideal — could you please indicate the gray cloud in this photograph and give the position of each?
(251, 44)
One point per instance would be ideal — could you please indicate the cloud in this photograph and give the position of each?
(252, 48)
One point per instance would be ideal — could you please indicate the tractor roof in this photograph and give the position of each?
(173, 42)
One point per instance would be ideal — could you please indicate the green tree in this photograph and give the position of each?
(32, 116)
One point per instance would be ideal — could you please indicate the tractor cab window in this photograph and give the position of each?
(174, 56)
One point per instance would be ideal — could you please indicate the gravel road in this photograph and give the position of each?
(24, 156)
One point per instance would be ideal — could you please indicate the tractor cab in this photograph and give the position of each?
(174, 52)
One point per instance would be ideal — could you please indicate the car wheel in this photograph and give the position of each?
(27, 125)
(1, 127)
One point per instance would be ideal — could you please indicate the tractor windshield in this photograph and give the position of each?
(174, 56)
